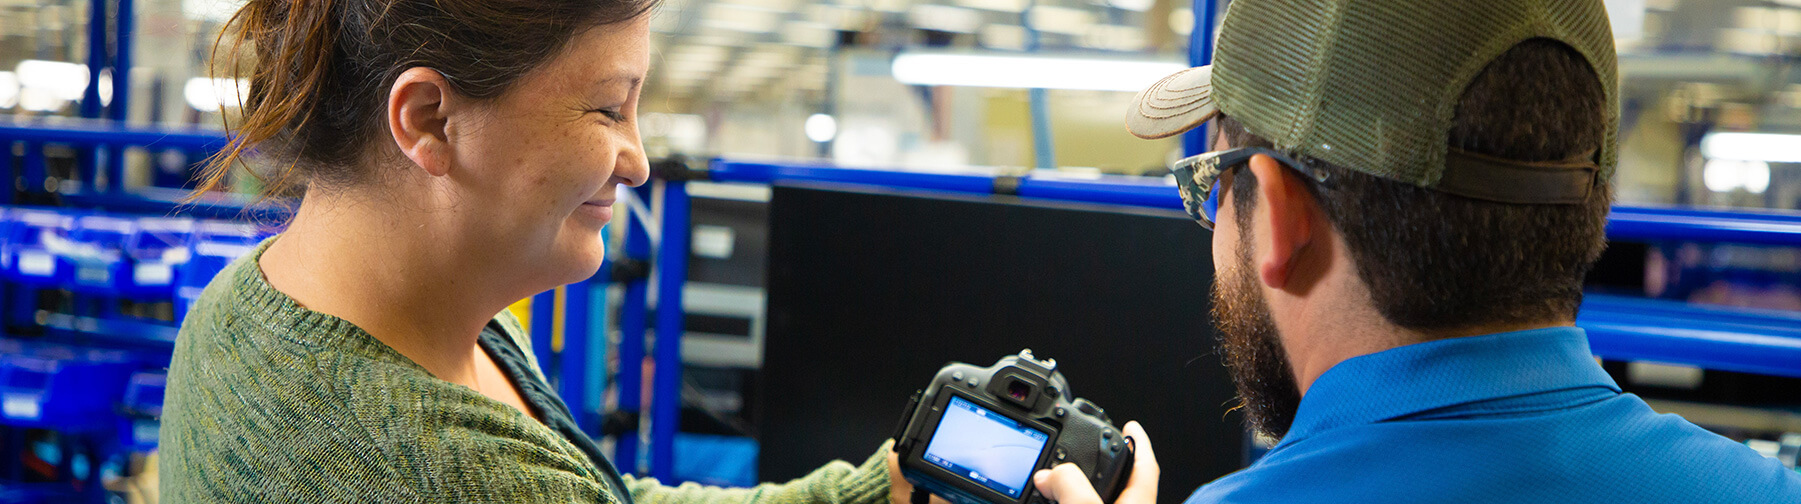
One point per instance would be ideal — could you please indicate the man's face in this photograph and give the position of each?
(1248, 342)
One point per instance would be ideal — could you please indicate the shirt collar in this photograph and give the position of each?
(1436, 374)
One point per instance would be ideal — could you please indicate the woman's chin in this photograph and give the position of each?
(581, 262)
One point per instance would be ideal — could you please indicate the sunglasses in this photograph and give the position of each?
(1197, 178)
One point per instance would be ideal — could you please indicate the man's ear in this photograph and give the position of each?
(1290, 214)
(417, 113)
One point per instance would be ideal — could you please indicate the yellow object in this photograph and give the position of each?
(523, 310)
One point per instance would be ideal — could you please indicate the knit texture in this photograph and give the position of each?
(268, 401)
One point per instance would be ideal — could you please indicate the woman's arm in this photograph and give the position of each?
(836, 483)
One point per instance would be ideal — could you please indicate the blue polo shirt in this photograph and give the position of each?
(1509, 418)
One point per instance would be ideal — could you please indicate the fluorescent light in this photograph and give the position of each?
(1726, 175)
(1771, 147)
(9, 89)
(212, 94)
(821, 128)
(65, 81)
(1011, 71)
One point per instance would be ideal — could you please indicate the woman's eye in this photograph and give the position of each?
(611, 114)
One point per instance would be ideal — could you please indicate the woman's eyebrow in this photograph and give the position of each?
(632, 81)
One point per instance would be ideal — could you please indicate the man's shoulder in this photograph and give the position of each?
(1617, 450)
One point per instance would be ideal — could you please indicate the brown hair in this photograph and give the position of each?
(323, 67)
(1437, 261)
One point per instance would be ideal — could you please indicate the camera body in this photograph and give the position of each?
(976, 435)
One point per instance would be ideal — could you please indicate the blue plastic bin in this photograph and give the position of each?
(34, 242)
(62, 388)
(96, 252)
(215, 245)
(157, 250)
(141, 408)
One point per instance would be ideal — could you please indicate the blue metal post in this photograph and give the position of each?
(672, 273)
(632, 315)
(1200, 52)
(88, 158)
(121, 63)
(573, 371)
(6, 193)
(120, 108)
(97, 60)
(544, 306)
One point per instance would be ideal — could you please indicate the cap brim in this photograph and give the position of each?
(1173, 105)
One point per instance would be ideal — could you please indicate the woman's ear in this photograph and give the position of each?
(417, 114)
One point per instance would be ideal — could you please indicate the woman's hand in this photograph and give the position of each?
(1066, 484)
(899, 490)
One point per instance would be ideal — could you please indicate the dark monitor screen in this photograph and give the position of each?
(871, 292)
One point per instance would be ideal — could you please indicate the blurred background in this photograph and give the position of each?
(794, 79)
(776, 274)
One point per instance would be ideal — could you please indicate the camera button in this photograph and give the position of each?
(1060, 412)
(972, 382)
(1061, 455)
(1107, 434)
(957, 376)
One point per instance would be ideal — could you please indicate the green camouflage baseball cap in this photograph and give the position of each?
(1372, 86)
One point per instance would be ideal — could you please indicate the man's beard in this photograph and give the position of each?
(1267, 392)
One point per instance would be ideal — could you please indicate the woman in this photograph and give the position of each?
(455, 156)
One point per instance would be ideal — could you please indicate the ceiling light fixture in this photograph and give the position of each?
(1027, 72)
(1769, 147)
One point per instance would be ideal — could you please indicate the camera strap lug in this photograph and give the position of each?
(900, 430)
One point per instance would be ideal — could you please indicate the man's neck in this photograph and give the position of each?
(381, 269)
(1356, 340)
(1318, 332)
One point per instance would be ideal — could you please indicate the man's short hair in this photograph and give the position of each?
(1436, 261)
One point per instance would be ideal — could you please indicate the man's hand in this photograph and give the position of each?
(1067, 485)
(899, 490)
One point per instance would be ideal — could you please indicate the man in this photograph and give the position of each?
(1406, 195)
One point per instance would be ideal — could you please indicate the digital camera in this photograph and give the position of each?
(976, 435)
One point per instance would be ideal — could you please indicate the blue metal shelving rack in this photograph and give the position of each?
(1742, 340)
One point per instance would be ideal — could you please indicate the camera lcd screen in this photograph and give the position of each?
(985, 447)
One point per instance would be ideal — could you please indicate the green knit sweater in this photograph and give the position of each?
(271, 402)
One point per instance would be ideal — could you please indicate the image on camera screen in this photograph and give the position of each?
(985, 447)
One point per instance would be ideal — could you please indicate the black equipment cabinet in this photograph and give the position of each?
(871, 291)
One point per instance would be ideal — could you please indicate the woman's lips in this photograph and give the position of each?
(598, 210)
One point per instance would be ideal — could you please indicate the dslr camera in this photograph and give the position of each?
(976, 435)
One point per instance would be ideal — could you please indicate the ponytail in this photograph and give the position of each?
(295, 43)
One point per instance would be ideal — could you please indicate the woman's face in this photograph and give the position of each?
(539, 165)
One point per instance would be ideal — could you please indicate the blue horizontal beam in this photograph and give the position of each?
(765, 173)
(1114, 190)
(1626, 223)
(1683, 224)
(100, 132)
(1732, 339)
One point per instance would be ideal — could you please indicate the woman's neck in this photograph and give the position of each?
(411, 285)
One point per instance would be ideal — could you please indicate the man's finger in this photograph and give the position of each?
(1141, 486)
(1066, 484)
